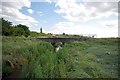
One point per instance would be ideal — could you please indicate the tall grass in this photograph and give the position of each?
(44, 62)
(38, 58)
(88, 59)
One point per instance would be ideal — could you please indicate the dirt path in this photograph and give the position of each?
(15, 74)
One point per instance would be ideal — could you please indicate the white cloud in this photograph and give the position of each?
(40, 13)
(77, 28)
(18, 4)
(76, 11)
(71, 28)
(62, 27)
(11, 12)
(100, 0)
(49, 1)
(30, 11)
(110, 24)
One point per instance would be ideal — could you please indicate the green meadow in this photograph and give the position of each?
(93, 58)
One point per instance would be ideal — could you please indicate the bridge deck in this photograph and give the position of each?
(61, 39)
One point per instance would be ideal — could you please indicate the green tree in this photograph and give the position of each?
(6, 25)
(9, 30)
(23, 30)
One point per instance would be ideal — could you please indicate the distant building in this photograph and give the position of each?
(40, 30)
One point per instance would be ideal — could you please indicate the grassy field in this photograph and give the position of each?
(94, 58)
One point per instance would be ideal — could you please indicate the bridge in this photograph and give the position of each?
(53, 41)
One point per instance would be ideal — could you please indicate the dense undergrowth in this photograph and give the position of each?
(38, 59)
(95, 58)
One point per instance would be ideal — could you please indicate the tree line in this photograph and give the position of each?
(8, 29)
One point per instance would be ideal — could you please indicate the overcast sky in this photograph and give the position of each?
(68, 16)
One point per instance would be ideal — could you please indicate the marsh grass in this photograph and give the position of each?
(87, 59)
